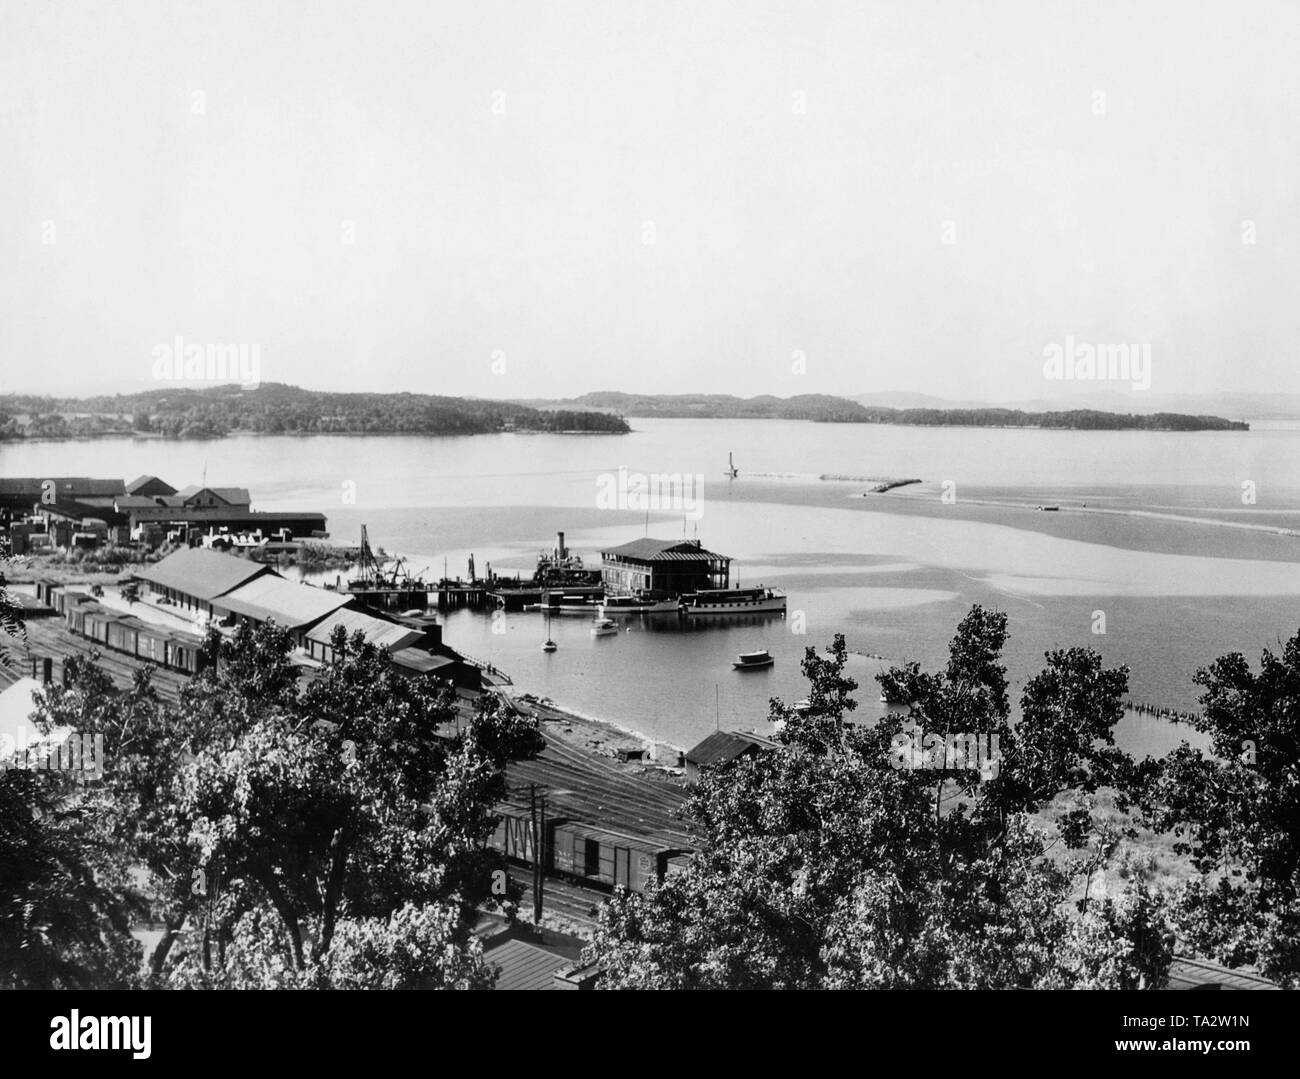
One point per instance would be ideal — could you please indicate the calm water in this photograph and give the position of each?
(1149, 534)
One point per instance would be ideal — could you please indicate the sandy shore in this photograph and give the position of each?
(605, 738)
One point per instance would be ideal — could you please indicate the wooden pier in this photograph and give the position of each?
(454, 595)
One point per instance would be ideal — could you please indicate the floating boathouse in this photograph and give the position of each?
(668, 567)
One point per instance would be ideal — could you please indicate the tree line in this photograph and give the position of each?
(825, 408)
(272, 408)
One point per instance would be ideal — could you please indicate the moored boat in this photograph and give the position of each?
(637, 604)
(734, 601)
(567, 603)
(749, 661)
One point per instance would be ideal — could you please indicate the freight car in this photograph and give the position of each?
(131, 636)
(586, 853)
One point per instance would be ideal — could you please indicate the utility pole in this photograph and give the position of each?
(537, 856)
(541, 854)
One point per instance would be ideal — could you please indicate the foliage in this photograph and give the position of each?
(833, 862)
(502, 734)
(65, 912)
(429, 947)
(12, 627)
(1237, 814)
(828, 409)
(270, 816)
(274, 408)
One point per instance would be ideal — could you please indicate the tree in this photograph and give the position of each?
(273, 818)
(856, 856)
(12, 628)
(1237, 814)
(65, 908)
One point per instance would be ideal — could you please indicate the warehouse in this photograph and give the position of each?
(194, 577)
(270, 598)
(663, 567)
(381, 634)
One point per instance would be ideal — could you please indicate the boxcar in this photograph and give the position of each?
(130, 635)
(597, 854)
(513, 836)
(183, 654)
(585, 852)
(96, 624)
(120, 634)
(151, 643)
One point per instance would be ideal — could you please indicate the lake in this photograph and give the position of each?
(1178, 541)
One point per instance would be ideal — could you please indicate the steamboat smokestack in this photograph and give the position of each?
(560, 549)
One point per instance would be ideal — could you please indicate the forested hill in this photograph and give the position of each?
(274, 408)
(829, 409)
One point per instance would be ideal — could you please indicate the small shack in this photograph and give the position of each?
(722, 747)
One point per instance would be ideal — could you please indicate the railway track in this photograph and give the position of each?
(49, 637)
(598, 793)
(560, 898)
(595, 791)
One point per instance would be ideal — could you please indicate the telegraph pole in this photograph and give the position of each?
(541, 853)
(537, 856)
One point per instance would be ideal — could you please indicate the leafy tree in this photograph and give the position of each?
(65, 910)
(284, 818)
(12, 628)
(1237, 814)
(502, 734)
(835, 861)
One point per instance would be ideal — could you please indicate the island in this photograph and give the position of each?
(826, 408)
(277, 409)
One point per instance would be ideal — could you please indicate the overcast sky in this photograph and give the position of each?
(732, 197)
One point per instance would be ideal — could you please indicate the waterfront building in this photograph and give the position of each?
(194, 578)
(270, 598)
(667, 567)
(382, 634)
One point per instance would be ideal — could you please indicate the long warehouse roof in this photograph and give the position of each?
(290, 605)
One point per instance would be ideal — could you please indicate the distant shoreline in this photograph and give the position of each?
(1238, 427)
(215, 412)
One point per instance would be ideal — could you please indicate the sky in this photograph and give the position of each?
(521, 200)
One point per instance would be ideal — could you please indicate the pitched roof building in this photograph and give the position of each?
(670, 567)
(149, 487)
(289, 604)
(195, 576)
(379, 633)
(723, 746)
(194, 497)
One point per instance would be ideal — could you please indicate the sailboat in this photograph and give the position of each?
(550, 645)
(732, 472)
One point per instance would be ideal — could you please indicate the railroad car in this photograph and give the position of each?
(120, 635)
(184, 654)
(584, 852)
(131, 636)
